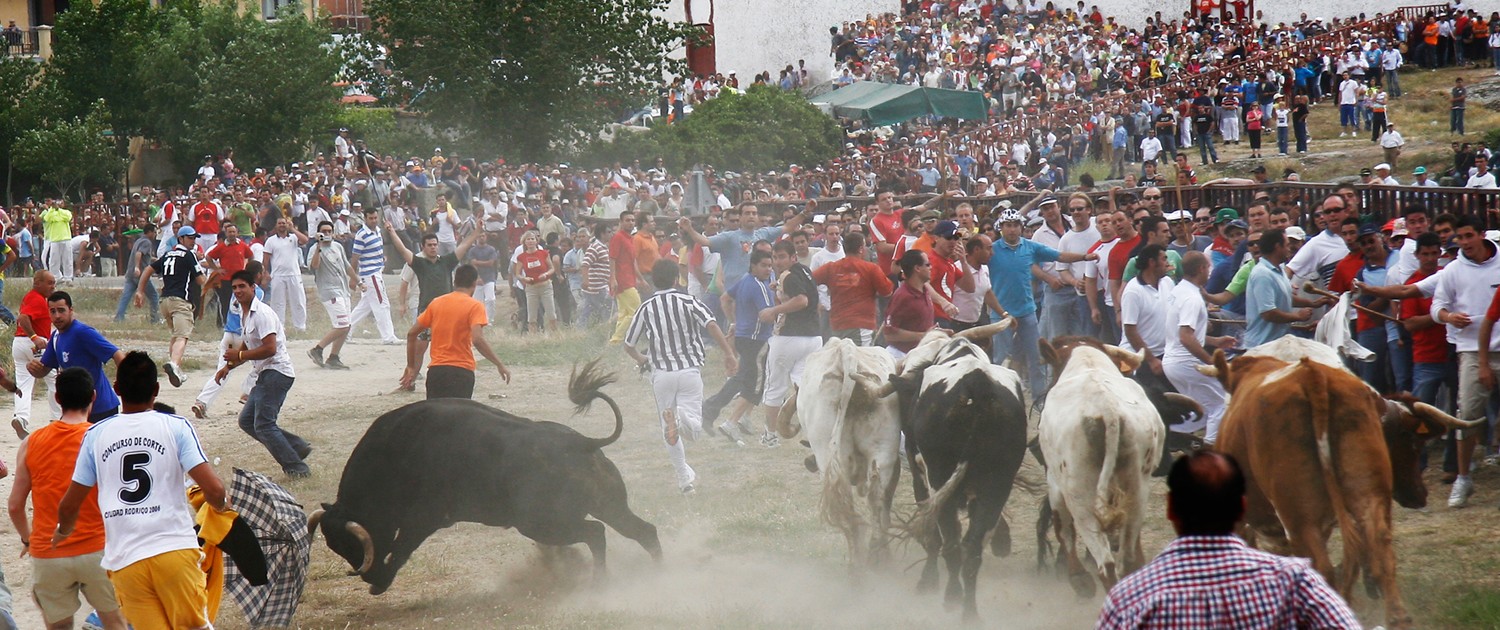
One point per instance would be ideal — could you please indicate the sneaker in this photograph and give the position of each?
(769, 440)
(316, 354)
(729, 433)
(174, 374)
(19, 424)
(1463, 488)
(200, 411)
(334, 363)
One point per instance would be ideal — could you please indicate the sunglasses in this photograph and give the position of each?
(1331, 211)
(1151, 197)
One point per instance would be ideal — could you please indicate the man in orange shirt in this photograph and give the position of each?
(457, 322)
(33, 328)
(853, 284)
(44, 468)
(647, 251)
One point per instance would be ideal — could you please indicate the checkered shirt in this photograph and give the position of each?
(1218, 583)
(281, 526)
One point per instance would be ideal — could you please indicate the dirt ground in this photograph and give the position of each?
(746, 551)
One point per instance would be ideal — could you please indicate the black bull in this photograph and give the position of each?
(428, 465)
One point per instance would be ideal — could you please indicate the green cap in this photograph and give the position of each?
(133, 232)
(1226, 214)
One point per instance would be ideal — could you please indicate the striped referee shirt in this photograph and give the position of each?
(674, 321)
(369, 251)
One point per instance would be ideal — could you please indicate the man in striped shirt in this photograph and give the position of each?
(672, 323)
(369, 260)
(596, 279)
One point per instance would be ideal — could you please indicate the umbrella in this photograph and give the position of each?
(281, 526)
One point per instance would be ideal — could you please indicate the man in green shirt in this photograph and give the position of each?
(242, 212)
(57, 229)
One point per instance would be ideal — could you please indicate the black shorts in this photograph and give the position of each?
(446, 381)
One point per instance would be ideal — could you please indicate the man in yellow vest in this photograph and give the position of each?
(57, 228)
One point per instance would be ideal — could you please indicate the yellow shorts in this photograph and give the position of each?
(165, 591)
(56, 583)
(179, 315)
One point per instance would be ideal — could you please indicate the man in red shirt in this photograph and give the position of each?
(1119, 256)
(853, 284)
(226, 259)
(886, 229)
(909, 316)
(1348, 268)
(1432, 365)
(33, 329)
(622, 282)
(206, 215)
(948, 270)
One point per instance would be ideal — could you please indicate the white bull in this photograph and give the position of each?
(1101, 438)
(855, 436)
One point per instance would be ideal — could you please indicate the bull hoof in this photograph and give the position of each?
(811, 463)
(926, 584)
(1000, 543)
(376, 589)
(1083, 585)
(1372, 588)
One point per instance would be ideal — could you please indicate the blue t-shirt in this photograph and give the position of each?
(1268, 289)
(1010, 273)
(81, 346)
(750, 295)
(733, 248)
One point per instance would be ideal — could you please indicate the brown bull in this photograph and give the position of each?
(1319, 449)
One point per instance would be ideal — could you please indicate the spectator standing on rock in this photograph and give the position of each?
(1456, 100)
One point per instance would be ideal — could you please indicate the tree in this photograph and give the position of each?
(218, 78)
(19, 108)
(762, 128)
(528, 76)
(97, 52)
(71, 153)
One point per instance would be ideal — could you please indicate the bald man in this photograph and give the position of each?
(33, 329)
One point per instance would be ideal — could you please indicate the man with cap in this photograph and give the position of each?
(1383, 175)
(179, 269)
(949, 271)
(1259, 174)
(1010, 279)
(1367, 176)
(1223, 247)
(1377, 335)
(1420, 178)
(1060, 310)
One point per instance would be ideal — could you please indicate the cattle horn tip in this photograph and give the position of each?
(358, 531)
(1441, 417)
(313, 520)
(1208, 370)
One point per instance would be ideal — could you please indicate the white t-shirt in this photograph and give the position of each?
(1099, 270)
(1078, 243)
(1187, 308)
(137, 461)
(1486, 180)
(1143, 306)
(260, 322)
(820, 257)
(1349, 92)
(286, 256)
(1319, 257)
(969, 303)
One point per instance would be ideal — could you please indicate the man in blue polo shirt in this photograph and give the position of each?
(76, 344)
(1269, 304)
(1010, 278)
(734, 244)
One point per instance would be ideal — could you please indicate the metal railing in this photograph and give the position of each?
(21, 43)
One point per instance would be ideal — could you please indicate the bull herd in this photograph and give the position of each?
(1320, 450)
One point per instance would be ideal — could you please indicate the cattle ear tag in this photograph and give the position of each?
(1422, 428)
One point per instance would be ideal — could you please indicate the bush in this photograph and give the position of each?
(763, 128)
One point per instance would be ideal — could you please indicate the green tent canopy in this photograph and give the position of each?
(884, 103)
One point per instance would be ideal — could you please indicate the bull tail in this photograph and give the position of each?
(585, 386)
(1102, 499)
(1315, 388)
(924, 519)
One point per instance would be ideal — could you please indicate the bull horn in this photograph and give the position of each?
(1438, 416)
(1126, 357)
(313, 520)
(986, 331)
(875, 388)
(1186, 401)
(1207, 370)
(358, 531)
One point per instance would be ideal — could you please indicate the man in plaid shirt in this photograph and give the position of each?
(1208, 577)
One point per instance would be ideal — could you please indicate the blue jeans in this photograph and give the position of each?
(1021, 339)
(1060, 314)
(152, 300)
(1373, 372)
(1392, 83)
(1456, 120)
(595, 308)
(1281, 138)
(1301, 129)
(1400, 354)
(258, 420)
(1428, 377)
(1109, 329)
(1205, 146)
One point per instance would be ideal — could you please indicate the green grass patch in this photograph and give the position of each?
(1474, 608)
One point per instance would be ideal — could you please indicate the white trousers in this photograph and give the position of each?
(679, 406)
(375, 300)
(59, 258)
(1185, 376)
(21, 349)
(211, 387)
(287, 293)
(785, 357)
